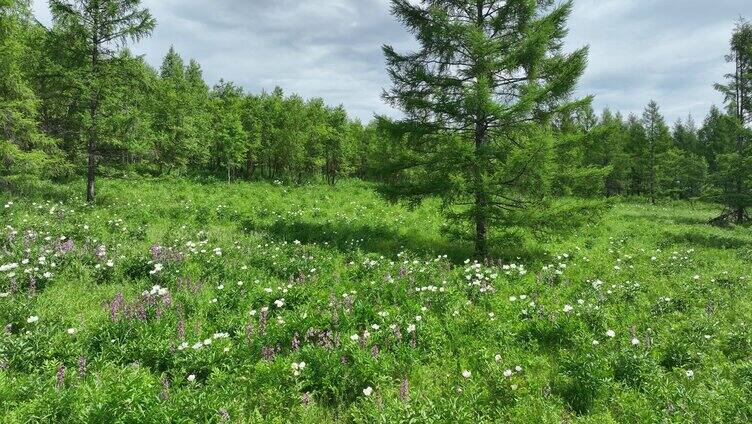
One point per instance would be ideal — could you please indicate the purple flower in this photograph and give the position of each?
(116, 305)
(305, 399)
(404, 390)
(60, 378)
(65, 247)
(295, 342)
(82, 367)
(100, 252)
(165, 393)
(32, 285)
(181, 329)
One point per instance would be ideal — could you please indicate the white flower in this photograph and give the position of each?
(611, 333)
(466, 374)
(418, 318)
(368, 391)
(690, 374)
(568, 308)
(596, 342)
(375, 326)
(71, 331)
(279, 302)
(192, 378)
(411, 328)
(32, 319)
(207, 342)
(635, 341)
(508, 373)
(497, 358)
(355, 337)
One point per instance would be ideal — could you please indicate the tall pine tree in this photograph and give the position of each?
(98, 30)
(477, 95)
(734, 173)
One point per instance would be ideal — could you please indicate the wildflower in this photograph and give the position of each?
(32, 319)
(635, 341)
(404, 389)
(192, 378)
(368, 391)
(466, 374)
(690, 374)
(596, 342)
(508, 373)
(71, 331)
(60, 378)
(611, 333)
(568, 308)
(82, 367)
(497, 358)
(355, 337)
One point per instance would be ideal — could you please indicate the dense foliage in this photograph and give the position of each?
(480, 90)
(168, 121)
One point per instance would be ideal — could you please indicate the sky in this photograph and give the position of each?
(670, 51)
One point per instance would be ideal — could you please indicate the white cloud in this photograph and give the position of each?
(668, 50)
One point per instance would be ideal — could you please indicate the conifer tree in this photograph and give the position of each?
(734, 173)
(486, 75)
(658, 139)
(97, 30)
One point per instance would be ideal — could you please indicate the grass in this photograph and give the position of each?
(361, 292)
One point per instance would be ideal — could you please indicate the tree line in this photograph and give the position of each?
(74, 96)
(490, 121)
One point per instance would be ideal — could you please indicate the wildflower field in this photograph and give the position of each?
(255, 302)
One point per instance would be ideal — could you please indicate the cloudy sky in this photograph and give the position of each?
(668, 50)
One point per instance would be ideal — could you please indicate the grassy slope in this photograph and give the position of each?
(654, 274)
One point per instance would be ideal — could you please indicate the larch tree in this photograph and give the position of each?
(477, 96)
(99, 29)
(658, 137)
(734, 173)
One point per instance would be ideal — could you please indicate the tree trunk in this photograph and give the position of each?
(481, 198)
(93, 112)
